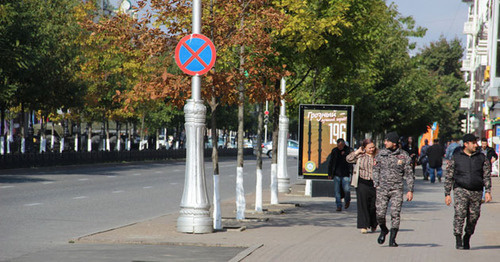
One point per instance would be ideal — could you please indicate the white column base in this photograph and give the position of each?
(194, 216)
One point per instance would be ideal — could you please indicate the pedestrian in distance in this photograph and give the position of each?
(364, 157)
(435, 155)
(339, 170)
(412, 151)
(451, 149)
(489, 152)
(392, 167)
(467, 173)
(424, 160)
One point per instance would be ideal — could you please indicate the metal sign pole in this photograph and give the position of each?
(194, 214)
(283, 178)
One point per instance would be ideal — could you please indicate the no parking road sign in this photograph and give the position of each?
(195, 54)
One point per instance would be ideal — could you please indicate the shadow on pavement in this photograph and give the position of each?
(21, 179)
(485, 247)
(419, 245)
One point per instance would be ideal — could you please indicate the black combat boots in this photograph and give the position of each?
(392, 237)
(466, 241)
(458, 239)
(383, 232)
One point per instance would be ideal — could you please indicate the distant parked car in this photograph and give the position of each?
(292, 149)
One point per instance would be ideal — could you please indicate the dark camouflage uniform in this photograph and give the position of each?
(467, 203)
(388, 173)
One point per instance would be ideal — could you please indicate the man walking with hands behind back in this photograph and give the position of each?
(392, 164)
(467, 172)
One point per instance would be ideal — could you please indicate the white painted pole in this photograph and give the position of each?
(194, 216)
(283, 179)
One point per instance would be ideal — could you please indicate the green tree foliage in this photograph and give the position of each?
(442, 60)
(38, 53)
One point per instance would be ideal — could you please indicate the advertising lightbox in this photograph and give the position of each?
(320, 126)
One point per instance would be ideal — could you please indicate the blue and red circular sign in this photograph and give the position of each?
(195, 54)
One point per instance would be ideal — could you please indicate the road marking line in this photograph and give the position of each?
(158, 172)
(33, 204)
(117, 191)
(80, 197)
(111, 176)
(6, 187)
(147, 187)
(174, 183)
(47, 183)
(83, 179)
(137, 174)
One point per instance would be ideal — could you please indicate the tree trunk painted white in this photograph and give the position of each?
(108, 141)
(157, 140)
(52, 138)
(240, 194)
(258, 191)
(10, 138)
(89, 140)
(76, 142)
(23, 145)
(1, 145)
(43, 143)
(62, 145)
(274, 185)
(308, 189)
(217, 214)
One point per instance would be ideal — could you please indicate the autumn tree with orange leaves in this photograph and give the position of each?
(242, 32)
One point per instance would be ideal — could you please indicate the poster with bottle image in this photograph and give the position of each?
(320, 126)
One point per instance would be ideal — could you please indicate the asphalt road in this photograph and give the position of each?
(41, 209)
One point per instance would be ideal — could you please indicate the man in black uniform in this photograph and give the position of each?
(467, 172)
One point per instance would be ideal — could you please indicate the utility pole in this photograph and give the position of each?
(195, 208)
(283, 179)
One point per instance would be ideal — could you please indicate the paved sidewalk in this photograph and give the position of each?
(309, 229)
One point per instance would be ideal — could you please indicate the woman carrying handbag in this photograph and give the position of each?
(362, 180)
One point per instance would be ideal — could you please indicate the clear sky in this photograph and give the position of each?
(440, 17)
